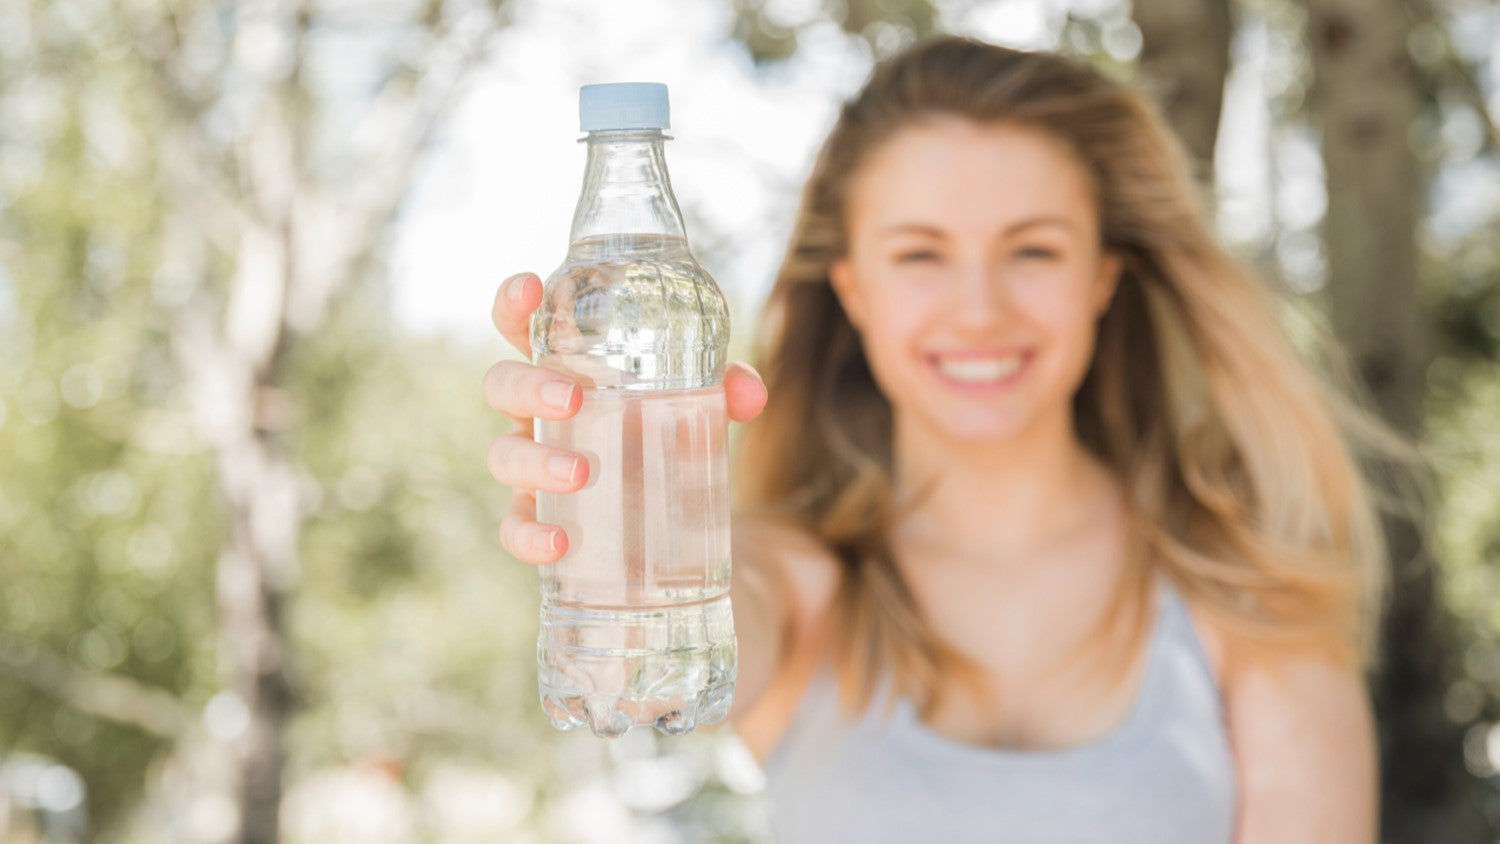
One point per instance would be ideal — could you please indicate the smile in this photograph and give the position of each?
(981, 371)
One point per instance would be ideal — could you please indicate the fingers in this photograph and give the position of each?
(516, 461)
(524, 391)
(527, 539)
(744, 392)
(517, 297)
(526, 466)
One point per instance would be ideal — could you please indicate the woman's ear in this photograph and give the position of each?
(1111, 265)
(841, 278)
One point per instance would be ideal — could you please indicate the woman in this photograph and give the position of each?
(1046, 531)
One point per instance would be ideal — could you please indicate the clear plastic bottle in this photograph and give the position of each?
(636, 626)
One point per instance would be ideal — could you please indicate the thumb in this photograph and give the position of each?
(744, 392)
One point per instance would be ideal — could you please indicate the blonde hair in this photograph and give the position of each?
(1236, 458)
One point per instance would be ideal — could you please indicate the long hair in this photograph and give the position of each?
(1237, 458)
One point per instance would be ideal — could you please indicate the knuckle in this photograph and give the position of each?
(492, 460)
(501, 382)
(508, 537)
(492, 383)
(499, 461)
(502, 374)
(513, 534)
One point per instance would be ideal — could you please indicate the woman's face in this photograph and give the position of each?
(975, 276)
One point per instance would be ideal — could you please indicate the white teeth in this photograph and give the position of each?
(979, 370)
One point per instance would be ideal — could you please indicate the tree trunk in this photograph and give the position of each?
(296, 241)
(1184, 62)
(1364, 99)
(256, 480)
(258, 564)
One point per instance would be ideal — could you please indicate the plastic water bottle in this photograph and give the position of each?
(636, 626)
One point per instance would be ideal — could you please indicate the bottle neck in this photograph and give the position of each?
(625, 188)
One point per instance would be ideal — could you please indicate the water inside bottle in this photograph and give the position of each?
(636, 621)
(632, 311)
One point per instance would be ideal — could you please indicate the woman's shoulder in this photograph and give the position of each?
(1300, 710)
(807, 570)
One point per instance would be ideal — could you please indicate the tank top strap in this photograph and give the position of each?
(1181, 626)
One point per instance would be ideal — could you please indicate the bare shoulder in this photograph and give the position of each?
(1302, 732)
(1304, 741)
(1294, 680)
(805, 570)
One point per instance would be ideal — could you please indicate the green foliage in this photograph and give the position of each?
(108, 530)
(415, 631)
(882, 25)
(1465, 446)
(412, 632)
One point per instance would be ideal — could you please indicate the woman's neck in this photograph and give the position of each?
(998, 501)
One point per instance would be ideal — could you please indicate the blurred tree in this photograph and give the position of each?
(1184, 60)
(272, 183)
(101, 528)
(1365, 101)
(292, 229)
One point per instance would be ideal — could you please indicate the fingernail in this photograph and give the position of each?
(558, 394)
(544, 540)
(562, 467)
(516, 287)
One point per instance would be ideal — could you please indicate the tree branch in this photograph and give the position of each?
(112, 697)
(333, 236)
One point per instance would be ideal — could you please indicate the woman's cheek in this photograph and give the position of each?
(889, 336)
(910, 302)
(1074, 329)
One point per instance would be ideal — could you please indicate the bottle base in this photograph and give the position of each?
(611, 718)
(608, 670)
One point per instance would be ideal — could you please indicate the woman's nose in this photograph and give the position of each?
(979, 293)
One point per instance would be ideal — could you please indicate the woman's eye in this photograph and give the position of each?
(1037, 253)
(916, 257)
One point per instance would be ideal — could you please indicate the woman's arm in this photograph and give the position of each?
(1304, 746)
(781, 585)
(761, 599)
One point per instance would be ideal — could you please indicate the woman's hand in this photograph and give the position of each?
(525, 392)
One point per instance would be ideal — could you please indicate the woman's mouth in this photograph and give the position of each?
(981, 371)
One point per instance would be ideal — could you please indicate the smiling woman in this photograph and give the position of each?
(1046, 530)
(977, 253)
(1039, 467)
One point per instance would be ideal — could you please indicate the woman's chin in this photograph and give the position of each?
(972, 429)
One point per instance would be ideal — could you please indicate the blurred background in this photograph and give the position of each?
(250, 582)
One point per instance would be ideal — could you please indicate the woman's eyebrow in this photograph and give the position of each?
(1013, 228)
(1041, 220)
(909, 228)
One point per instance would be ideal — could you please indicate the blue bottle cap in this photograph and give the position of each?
(622, 105)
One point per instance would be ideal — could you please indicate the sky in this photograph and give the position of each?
(495, 196)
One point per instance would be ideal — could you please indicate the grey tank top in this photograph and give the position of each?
(1163, 776)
